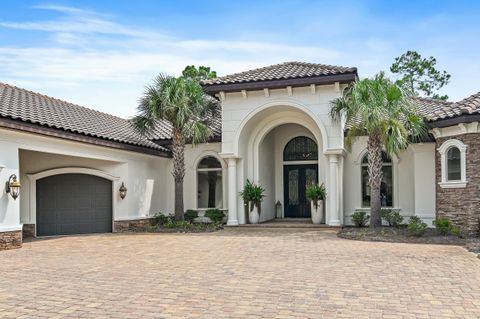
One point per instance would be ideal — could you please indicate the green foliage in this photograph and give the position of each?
(385, 112)
(420, 74)
(253, 193)
(215, 215)
(185, 226)
(392, 217)
(162, 219)
(316, 192)
(202, 73)
(416, 227)
(181, 102)
(380, 107)
(443, 225)
(190, 215)
(457, 231)
(360, 219)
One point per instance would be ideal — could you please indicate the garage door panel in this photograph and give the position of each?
(73, 204)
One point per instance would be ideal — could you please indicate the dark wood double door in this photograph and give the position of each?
(296, 178)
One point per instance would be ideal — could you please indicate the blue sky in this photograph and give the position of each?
(100, 54)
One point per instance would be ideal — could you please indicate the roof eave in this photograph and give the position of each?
(23, 126)
(168, 141)
(454, 120)
(281, 83)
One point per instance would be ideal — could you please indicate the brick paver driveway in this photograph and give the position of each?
(237, 273)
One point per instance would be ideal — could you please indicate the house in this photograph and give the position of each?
(83, 171)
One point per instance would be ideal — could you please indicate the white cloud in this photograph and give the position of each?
(88, 51)
(93, 60)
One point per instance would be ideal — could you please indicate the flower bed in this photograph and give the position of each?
(401, 235)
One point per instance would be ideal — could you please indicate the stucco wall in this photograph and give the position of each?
(462, 205)
(24, 153)
(193, 155)
(413, 180)
(267, 176)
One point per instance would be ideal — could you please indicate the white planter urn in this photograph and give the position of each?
(253, 215)
(317, 213)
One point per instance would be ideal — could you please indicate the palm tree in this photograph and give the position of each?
(385, 112)
(181, 102)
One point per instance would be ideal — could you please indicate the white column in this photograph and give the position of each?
(332, 191)
(232, 192)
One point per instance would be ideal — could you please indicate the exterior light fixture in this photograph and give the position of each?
(12, 186)
(123, 191)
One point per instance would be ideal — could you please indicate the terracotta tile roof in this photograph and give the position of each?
(435, 110)
(23, 105)
(282, 71)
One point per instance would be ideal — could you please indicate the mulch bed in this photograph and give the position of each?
(400, 235)
(206, 228)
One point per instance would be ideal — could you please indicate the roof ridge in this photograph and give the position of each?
(60, 100)
(464, 100)
(426, 98)
(272, 67)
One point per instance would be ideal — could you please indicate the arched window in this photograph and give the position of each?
(209, 183)
(300, 148)
(453, 164)
(386, 188)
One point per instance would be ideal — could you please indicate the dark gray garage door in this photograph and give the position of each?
(73, 204)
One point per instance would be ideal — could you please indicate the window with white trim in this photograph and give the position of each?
(209, 183)
(453, 164)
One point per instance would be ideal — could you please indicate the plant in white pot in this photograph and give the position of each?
(316, 194)
(253, 195)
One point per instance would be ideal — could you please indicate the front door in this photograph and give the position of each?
(296, 178)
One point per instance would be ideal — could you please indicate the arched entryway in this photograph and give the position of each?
(300, 169)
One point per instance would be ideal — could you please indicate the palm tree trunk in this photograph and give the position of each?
(375, 174)
(178, 150)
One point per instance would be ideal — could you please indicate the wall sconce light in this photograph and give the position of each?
(12, 186)
(123, 191)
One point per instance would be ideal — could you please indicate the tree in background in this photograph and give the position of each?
(202, 73)
(385, 112)
(420, 74)
(181, 102)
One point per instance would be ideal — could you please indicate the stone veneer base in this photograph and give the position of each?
(10, 240)
(28, 231)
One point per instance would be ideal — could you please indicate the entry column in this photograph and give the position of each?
(333, 195)
(232, 192)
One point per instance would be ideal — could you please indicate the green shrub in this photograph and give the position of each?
(215, 215)
(253, 193)
(443, 225)
(181, 224)
(392, 217)
(162, 219)
(315, 193)
(191, 227)
(416, 227)
(457, 231)
(190, 215)
(360, 219)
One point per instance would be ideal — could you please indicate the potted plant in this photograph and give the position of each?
(316, 194)
(253, 195)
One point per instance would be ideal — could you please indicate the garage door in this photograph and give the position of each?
(73, 204)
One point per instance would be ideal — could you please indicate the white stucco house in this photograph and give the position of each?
(274, 129)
